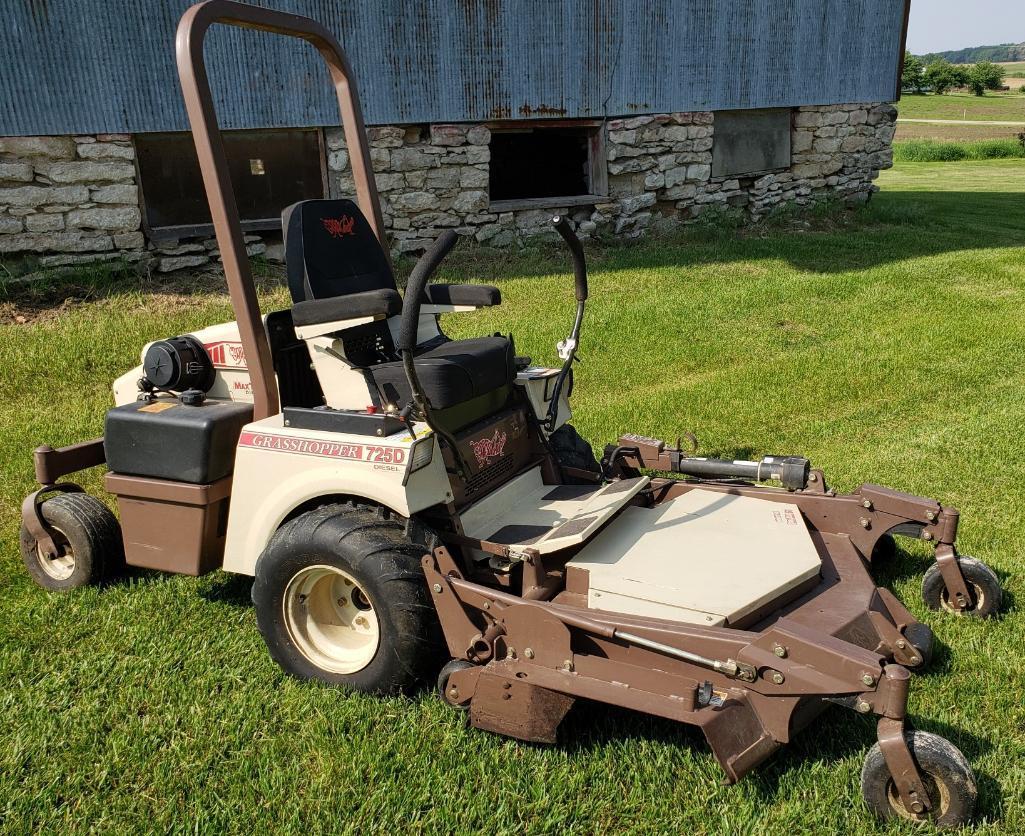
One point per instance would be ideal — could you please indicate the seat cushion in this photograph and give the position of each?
(452, 372)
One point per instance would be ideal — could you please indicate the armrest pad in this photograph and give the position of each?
(368, 303)
(478, 295)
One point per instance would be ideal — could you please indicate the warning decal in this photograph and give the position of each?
(226, 355)
(325, 449)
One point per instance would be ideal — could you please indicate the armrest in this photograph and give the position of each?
(370, 303)
(474, 295)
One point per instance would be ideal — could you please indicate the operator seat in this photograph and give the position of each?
(337, 270)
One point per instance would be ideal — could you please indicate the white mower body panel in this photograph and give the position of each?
(278, 468)
(223, 345)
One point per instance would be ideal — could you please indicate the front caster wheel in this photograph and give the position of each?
(949, 782)
(981, 580)
(88, 539)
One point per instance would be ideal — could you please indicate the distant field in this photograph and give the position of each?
(953, 133)
(992, 106)
(1015, 69)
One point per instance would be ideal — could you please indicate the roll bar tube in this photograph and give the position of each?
(213, 162)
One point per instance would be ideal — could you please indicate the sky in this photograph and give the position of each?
(939, 25)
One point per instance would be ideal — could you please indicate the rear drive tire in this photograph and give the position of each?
(341, 598)
(981, 580)
(571, 450)
(948, 779)
(88, 536)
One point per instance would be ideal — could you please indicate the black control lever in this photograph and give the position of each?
(568, 347)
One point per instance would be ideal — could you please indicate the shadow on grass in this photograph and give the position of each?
(227, 588)
(831, 737)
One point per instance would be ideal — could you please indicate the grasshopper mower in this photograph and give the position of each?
(401, 498)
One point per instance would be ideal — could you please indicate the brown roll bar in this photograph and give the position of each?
(214, 165)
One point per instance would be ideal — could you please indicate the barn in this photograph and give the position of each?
(486, 116)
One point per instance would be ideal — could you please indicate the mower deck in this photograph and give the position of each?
(703, 558)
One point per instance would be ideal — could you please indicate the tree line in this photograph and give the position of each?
(940, 76)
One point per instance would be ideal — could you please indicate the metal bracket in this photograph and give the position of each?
(957, 590)
(32, 518)
(902, 766)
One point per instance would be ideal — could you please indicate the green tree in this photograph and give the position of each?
(912, 78)
(985, 76)
(941, 75)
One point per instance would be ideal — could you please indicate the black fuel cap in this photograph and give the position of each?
(161, 364)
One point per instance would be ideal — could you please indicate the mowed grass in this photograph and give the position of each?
(888, 349)
(954, 133)
(998, 107)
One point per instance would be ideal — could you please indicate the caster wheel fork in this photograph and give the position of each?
(981, 582)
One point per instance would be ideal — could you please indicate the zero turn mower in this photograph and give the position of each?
(407, 495)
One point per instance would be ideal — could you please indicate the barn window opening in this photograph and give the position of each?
(270, 169)
(749, 142)
(546, 166)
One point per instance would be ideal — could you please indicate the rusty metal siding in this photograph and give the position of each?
(91, 66)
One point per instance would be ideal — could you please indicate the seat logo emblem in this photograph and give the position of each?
(486, 449)
(339, 227)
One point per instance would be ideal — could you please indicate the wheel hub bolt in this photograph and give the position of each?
(529, 653)
(780, 651)
(436, 587)
(777, 677)
(868, 679)
(341, 602)
(867, 504)
(901, 644)
(863, 707)
(361, 621)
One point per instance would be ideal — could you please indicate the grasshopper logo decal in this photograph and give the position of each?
(486, 449)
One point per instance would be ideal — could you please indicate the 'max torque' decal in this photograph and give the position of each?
(486, 449)
(325, 449)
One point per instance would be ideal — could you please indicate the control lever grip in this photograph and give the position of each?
(579, 265)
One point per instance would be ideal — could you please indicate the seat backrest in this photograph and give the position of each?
(330, 250)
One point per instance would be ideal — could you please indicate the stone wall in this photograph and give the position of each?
(659, 174)
(68, 199)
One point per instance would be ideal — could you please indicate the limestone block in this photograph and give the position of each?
(54, 147)
(120, 218)
(105, 151)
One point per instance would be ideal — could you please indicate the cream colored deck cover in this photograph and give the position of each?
(704, 558)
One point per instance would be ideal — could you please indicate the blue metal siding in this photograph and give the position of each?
(95, 66)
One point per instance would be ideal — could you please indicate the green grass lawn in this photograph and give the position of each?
(998, 107)
(890, 348)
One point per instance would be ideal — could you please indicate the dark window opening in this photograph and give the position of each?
(269, 171)
(750, 142)
(542, 165)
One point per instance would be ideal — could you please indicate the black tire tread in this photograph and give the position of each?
(935, 755)
(93, 532)
(975, 572)
(366, 541)
(572, 450)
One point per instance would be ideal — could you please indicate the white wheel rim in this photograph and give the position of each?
(61, 567)
(331, 620)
